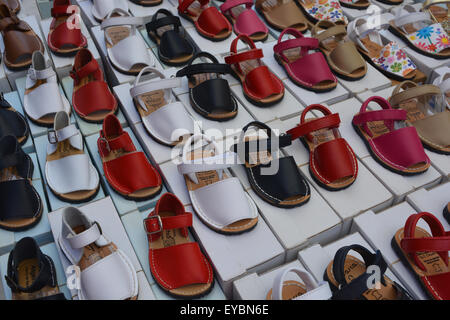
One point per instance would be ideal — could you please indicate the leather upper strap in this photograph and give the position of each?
(121, 142)
(14, 22)
(41, 74)
(167, 223)
(198, 68)
(412, 90)
(332, 31)
(230, 4)
(168, 20)
(55, 136)
(60, 10)
(185, 4)
(306, 44)
(87, 69)
(439, 242)
(86, 237)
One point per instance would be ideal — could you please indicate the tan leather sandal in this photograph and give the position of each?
(342, 55)
(427, 112)
(282, 14)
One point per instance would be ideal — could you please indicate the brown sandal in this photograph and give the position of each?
(19, 38)
(342, 56)
(426, 112)
(281, 14)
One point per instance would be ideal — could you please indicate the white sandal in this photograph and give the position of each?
(106, 271)
(294, 290)
(126, 48)
(43, 98)
(219, 200)
(101, 8)
(69, 171)
(167, 121)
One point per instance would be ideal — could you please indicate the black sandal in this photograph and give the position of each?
(20, 204)
(31, 274)
(210, 95)
(349, 277)
(446, 212)
(285, 188)
(12, 122)
(173, 47)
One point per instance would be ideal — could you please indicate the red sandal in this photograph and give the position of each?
(64, 38)
(91, 97)
(426, 255)
(209, 22)
(261, 87)
(127, 171)
(177, 264)
(332, 162)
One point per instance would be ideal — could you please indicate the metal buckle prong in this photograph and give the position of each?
(159, 224)
(52, 136)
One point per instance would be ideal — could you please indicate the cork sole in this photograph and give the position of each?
(209, 177)
(171, 238)
(27, 272)
(291, 289)
(353, 268)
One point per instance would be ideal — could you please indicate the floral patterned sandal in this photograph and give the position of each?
(437, 10)
(317, 10)
(388, 58)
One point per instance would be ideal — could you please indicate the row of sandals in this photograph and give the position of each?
(183, 271)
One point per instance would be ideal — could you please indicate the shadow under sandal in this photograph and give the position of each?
(425, 255)
(12, 122)
(106, 271)
(20, 204)
(308, 289)
(177, 264)
(218, 199)
(174, 48)
(260, 86)
(427, 112)
(332, 162)
(119, 155)
(209, 94)
(349, 277)
(396, 148)
(287, 188)
(31, 274)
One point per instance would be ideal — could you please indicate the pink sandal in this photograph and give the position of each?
(244, 20)
(309, 71)
(398, 150)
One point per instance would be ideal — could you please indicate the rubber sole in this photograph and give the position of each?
(375, 157)
(346, 5)
(76, 201)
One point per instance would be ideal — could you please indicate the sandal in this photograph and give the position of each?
(425, 111)
(332, 162)
(12, 122)
(43, 98)
(20, 205)
(307, 70)
(282, 14)
(64, 38)
(420, 32)
(244, 20)
(106, 273)
(147, 3)
(13, 5)
(68, 169)
(425, 255)
(350, 278)
(101, 8)
(174, 48)
(91, 98)
(398, 150)
(208, 21)
(118, 155)
(121, 34)
(443, 82)
(342, 55)
(19, 38)
(166, 121)
(177, 264)
(316, 10)
(308, 289)
(31, 274)
(285, 188)
(437, 11)
(446, 212)
(355, 4)
(260, 86)
(219, 200)
(386, 57)
(210, 95)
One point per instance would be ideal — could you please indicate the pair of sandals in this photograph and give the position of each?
(65, 37)
(118, 155)
(19, 38)
(121, 34)
(346, 278)
(69, 172)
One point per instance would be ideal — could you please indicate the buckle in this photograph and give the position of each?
(159, 224)
(52, 136)
(106, 143)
